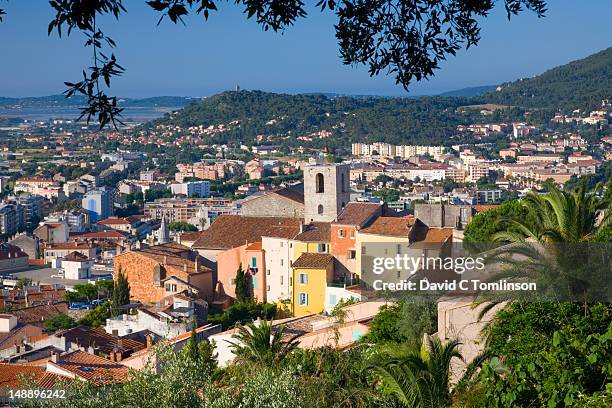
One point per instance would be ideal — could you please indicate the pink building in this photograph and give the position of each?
(252, 258)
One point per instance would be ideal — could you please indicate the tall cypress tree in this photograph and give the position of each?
(242, 285)
(121, 293)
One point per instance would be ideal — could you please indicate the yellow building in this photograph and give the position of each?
(387, 232)
(314, 238)
(311, 274)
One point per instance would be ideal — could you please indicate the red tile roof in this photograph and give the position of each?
(8, 251)
(231, 231)
(172, 255)
(315, 232)
(358, 214)
(38, 314)
(114, 221)
(100, 340)
(89, 367)
(15, 336)
(391, 226)
(312, 261)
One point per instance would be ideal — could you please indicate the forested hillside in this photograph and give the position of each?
(409, 120)
(396, 120)
(580, 84)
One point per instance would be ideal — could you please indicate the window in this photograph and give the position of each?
(322, 248)
(320, 183)
(170, 287)
(341, 233)
(332, 299)
(268, 272)
(281, 279)
(320, 209)
(356, 335)
(282, 262)
(254, 282)
(254, 262)
(303, 279)
(352, 254)
(268, 288)
(282, 244)
(302, 299)
(352, 234)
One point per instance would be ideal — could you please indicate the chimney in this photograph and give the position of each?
(197, 263)
(165, 259)
(301, 226)
(55, 356)
(185, 267)
(149, 340)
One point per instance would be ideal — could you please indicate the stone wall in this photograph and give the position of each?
(272, 205)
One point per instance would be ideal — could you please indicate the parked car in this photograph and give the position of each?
(98, 302)
(79, 306)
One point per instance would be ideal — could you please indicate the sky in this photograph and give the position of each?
(206, 57)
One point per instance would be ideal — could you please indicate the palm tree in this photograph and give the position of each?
(550, 248)
(560, 216)
(420, 379)
(263, 343)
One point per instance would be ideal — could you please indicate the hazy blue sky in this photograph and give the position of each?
(206, 57)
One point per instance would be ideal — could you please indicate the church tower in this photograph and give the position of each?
(163, 235)
(326, 191)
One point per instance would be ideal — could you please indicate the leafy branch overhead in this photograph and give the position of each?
(406, 39)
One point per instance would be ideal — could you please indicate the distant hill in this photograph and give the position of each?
(76, 101)
(470, 92)
(581, 84)
(422, 120)
(280, 118)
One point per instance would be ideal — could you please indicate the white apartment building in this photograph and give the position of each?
(389, 150)
(192, 188)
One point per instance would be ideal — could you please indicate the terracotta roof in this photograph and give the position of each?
(18, 334)
(255, 246)
(114, 221)
(294, 193)
(8, 251)
(101, 235)
(436, 235)
(92, 368)
(100, 340)
(76, 257)
(172, 255)
(390, 226)
(312, 261)
(13, 375)
(358, 214)
(190, 236)
(69, 245)
(315, 232)
(38, 314)
(231, 231)
(482, 208)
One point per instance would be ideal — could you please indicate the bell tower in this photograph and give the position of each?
(326, 191)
